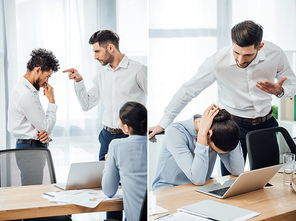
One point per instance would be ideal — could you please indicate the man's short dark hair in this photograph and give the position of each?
(44, 59)
(105, 37)
(247, 33)
(225, 131)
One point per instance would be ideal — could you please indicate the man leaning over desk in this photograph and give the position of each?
(245, 73)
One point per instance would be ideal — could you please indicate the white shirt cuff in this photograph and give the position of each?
(52, 107)
(165, 122)
(79, 85)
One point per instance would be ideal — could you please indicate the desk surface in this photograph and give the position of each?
(277, 203)
(27, 202)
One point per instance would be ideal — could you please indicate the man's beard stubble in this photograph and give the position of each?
(37, 84)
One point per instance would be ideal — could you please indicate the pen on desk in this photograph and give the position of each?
(47, 194)
(160, 217)
(198, 214)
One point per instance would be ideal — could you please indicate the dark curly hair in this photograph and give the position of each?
(134, 115)
(225, 131)
(43, 58)
(104, 37)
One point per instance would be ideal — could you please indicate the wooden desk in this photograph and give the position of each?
(277, 203)
(27, 202)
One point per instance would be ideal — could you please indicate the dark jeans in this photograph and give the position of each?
(31, 165)
(105, 137)
(244, 129)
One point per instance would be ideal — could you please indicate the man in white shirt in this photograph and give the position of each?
(121, 80)
(27, 121)
(245, 73)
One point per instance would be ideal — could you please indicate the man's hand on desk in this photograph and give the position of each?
(271, 88)
(155, 130)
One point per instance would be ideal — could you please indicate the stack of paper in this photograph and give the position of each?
(84, 197)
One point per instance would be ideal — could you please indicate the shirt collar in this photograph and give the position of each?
(28, 84)
(123, 63)
(189, 125)
(260, 57)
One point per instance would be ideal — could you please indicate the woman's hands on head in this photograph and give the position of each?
(203, 124)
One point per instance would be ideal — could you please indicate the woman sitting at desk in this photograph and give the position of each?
(190, 148)
(127, 160)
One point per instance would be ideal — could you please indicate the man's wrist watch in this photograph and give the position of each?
(281, 94)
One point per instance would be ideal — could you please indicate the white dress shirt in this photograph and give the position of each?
(237, 92)
(26, 116)
(128, 82)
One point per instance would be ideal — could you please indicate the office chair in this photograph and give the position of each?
(143, 214)
(28, 166)
(263, 148)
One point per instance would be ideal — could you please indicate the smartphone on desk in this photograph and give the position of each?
(268, 185)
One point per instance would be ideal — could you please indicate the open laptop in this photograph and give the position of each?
(83, 176)
(246, 182)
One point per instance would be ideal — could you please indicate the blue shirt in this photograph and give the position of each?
(127, 161)
(182, 160)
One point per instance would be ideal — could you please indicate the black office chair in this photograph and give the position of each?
(263, 147)
(143, 214)
(28, 166)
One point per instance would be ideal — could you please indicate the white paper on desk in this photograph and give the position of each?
(219, 211)
(49, 198)
(155, 209)
(180, 216)
(84, 197)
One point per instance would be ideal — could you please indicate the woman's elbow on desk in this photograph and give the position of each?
(109, 188)
(109, 193)
(198, 182)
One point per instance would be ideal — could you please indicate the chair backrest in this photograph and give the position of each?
(26, 166)
(143, 214)
(263, 147)
(154, 151)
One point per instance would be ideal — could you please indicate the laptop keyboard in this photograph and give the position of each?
(219, 192)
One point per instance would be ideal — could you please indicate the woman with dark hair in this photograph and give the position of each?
(127, 160)
(190, 148)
